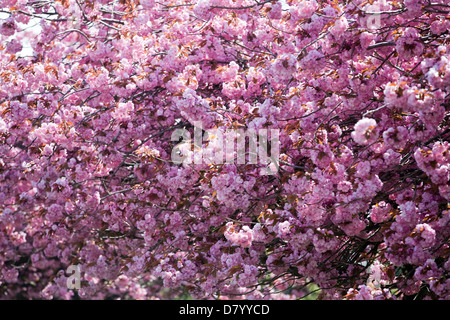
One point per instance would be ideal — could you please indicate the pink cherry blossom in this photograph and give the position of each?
(365, 131)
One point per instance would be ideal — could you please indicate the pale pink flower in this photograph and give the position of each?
(365, 131)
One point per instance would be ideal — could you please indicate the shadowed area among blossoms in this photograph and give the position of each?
(357, 209)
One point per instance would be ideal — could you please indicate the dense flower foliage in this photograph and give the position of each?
(358, 206)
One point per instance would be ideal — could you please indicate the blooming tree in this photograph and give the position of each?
(359, 205)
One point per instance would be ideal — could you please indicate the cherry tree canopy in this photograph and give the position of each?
(359, 206)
